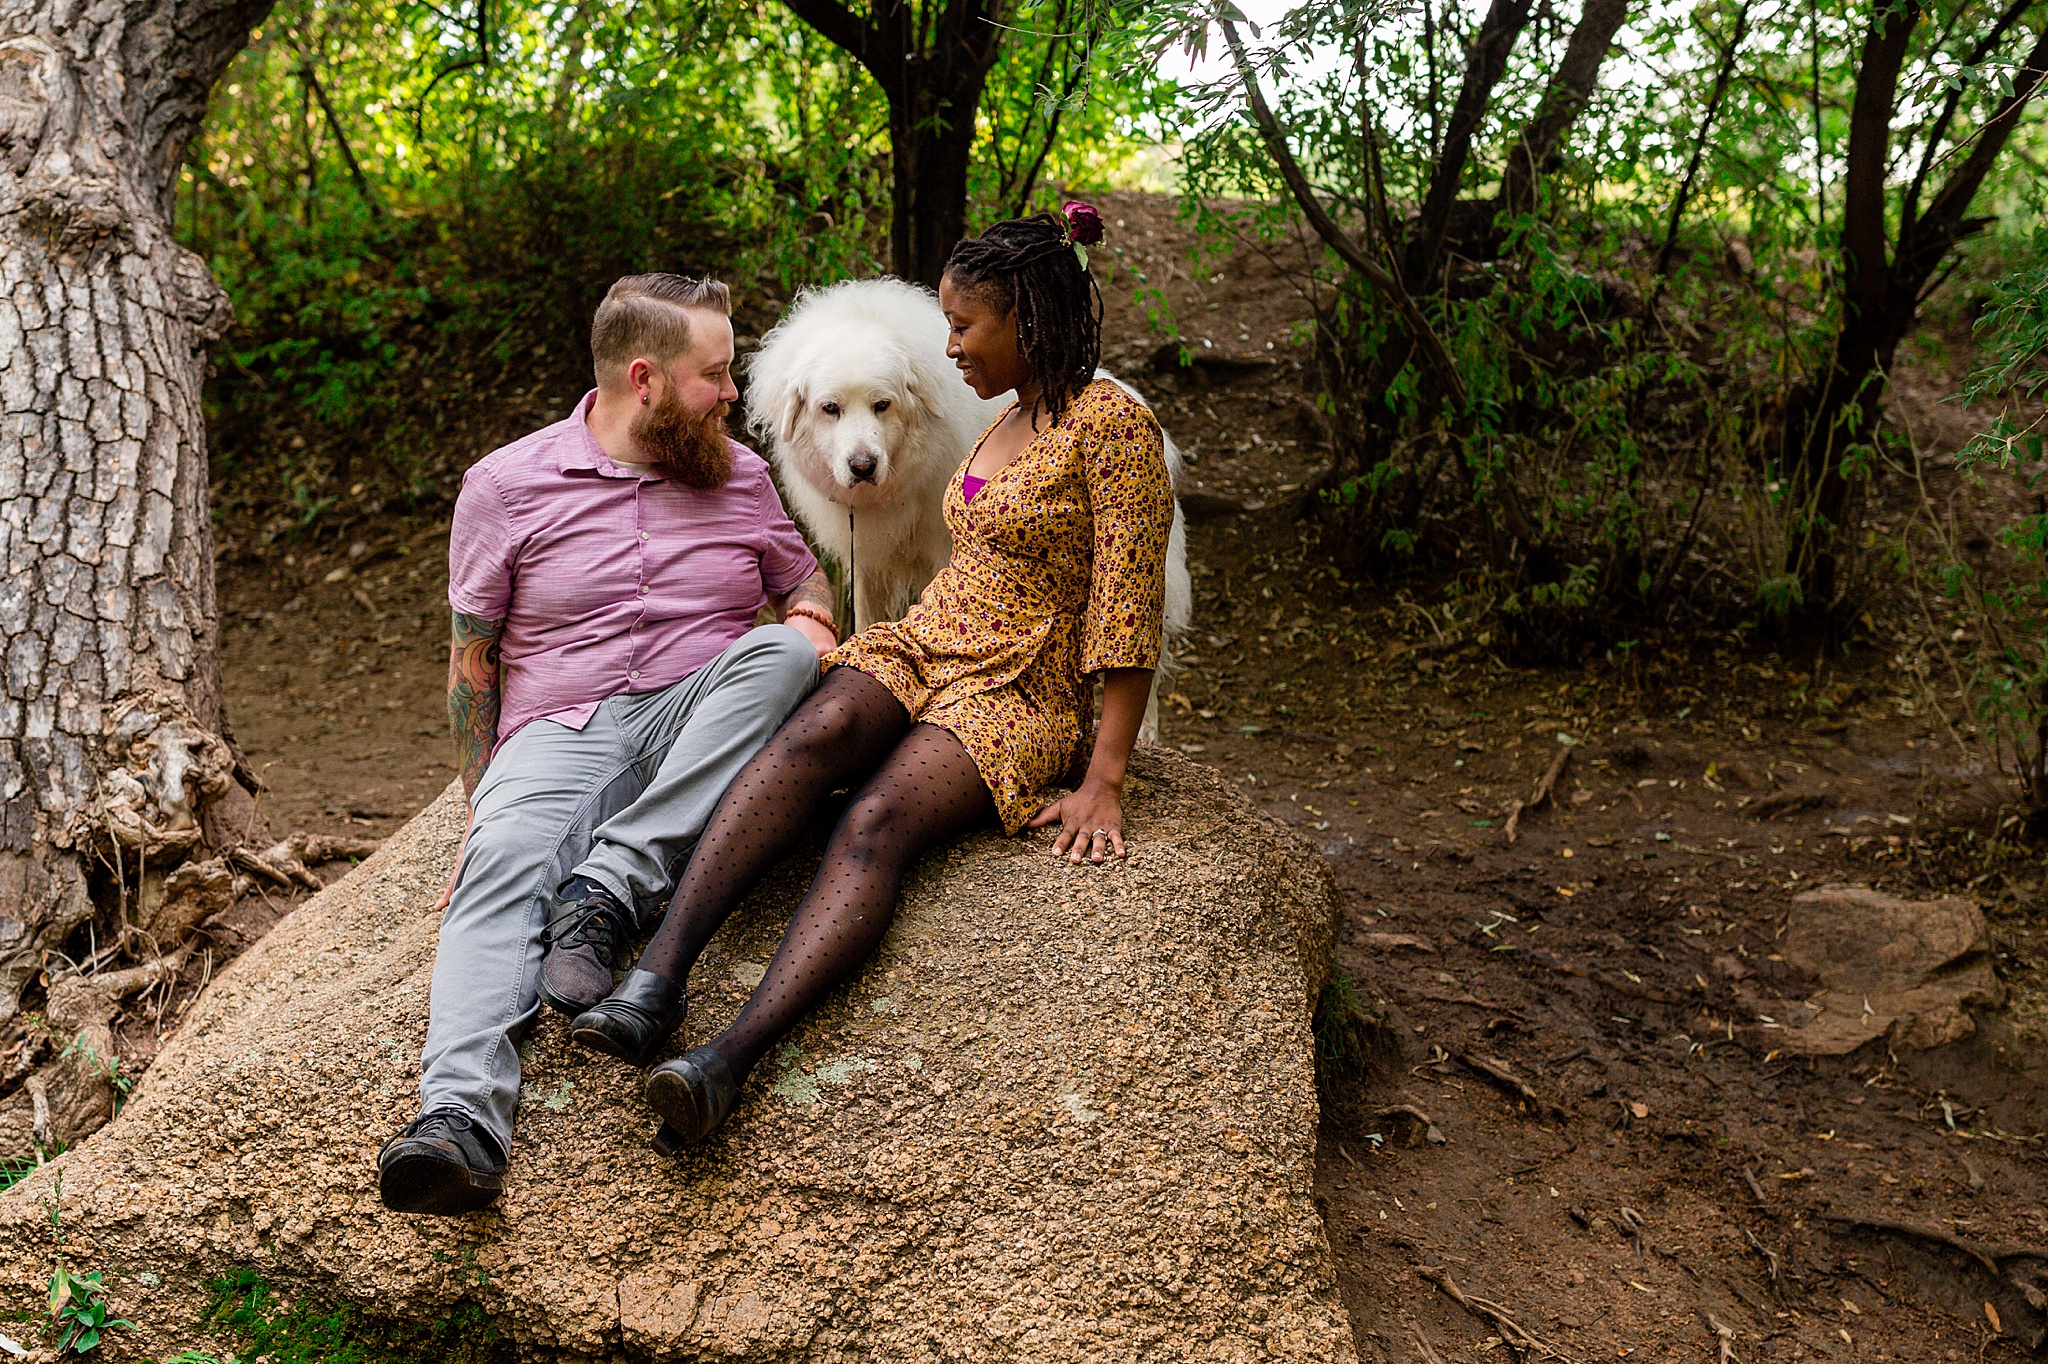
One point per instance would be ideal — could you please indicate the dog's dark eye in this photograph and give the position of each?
(831, 409)
(881, 407)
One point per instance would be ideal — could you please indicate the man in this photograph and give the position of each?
(606, 681)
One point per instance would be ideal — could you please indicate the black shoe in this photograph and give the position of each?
(632, 1024)
(440, 1163)
(693, 1094)
(587, 931)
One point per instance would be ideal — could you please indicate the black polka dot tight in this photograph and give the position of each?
(922, 789)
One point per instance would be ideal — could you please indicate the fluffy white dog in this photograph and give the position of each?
(866, 421)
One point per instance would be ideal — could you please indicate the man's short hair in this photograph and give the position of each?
(649, 316)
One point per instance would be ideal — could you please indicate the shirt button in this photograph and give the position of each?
(643, 589)
(643, 535)
(634, 673)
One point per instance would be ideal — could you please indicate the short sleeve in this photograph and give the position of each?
(786, 561)
(483, 554)
(1132, 500)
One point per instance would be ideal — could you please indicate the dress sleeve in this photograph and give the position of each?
(1132, 500)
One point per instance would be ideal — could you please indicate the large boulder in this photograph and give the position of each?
(1066, 1114)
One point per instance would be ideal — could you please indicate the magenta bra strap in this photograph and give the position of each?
(969, 486)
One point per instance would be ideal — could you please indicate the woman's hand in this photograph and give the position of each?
(1091, 823)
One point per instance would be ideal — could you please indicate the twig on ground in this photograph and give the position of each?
(1787, 802)
(1722, 1336)
(1987, 1256)
(1756, 1189)
(1547, 785)
(1429, 1356)
(1770, 1258)
(1505, 1079)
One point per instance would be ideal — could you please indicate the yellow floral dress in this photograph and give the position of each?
(1058, 571)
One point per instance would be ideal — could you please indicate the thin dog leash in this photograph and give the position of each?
(852, 600)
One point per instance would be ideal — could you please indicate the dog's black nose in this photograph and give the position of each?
(862, 467)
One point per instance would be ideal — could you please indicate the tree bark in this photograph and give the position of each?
(1538, 149)
(110, 700)
(931, 68)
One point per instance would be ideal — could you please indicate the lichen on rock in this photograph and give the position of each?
(1067, 1113)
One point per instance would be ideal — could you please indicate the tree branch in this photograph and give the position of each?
(1485, 63)
(1863, 216)
(1699, 146)
(1335, 237)
(1909, 209)
(845, 31)
(1923, 243)
(348, 156)
(1535, 151)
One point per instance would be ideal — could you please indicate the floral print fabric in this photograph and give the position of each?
(1058, 571)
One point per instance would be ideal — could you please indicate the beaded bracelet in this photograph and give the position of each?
(818, 614)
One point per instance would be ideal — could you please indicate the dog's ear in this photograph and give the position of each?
(793, 404)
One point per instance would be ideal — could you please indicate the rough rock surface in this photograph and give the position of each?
(1066, 1114)
(1908, 969)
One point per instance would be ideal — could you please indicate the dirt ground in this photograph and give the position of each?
(1577, 1118)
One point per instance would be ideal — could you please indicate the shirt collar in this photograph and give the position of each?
(580, 449)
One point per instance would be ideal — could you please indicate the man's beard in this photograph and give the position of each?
(694, 451)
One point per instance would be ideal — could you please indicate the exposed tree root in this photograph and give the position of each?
(1517, 1337)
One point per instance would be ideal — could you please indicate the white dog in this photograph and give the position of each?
(867, 421)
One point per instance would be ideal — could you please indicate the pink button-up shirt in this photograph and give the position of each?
(610, 581)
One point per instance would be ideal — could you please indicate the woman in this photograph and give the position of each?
(970, 705)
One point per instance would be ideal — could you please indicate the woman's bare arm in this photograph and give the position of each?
(1098, 805)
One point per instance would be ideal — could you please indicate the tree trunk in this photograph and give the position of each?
(931, 140)
(931, 68)
(1537, 151)
(110, 701)
(1883, 284)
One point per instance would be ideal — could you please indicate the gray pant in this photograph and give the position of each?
(621, 801)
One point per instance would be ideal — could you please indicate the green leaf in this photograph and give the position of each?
(86, 1340)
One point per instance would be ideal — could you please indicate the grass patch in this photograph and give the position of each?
(265, 1327)
(14, 1169)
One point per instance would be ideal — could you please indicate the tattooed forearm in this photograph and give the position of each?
(815, 590)
(474, 694)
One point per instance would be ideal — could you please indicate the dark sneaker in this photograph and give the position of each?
(587, 931)
(441, 1163)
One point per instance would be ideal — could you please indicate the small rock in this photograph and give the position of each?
(1910, 969)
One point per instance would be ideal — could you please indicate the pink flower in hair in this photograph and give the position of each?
(1084, 224)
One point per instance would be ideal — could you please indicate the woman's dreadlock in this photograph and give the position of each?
(1029, 264)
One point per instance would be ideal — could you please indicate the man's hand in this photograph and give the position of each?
(823, 640)
(814, 596)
